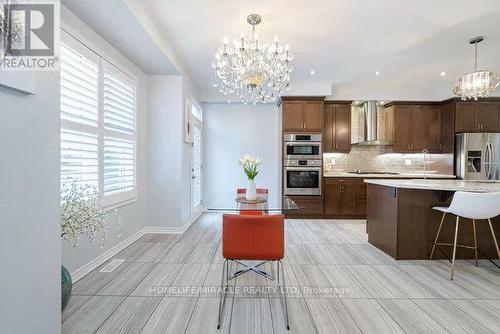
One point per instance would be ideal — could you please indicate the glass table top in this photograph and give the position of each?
(231, 202)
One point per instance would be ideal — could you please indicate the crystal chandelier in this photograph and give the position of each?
(250, 71)
(478, 83)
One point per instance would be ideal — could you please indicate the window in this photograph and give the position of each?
(98, 123)
(196, 111)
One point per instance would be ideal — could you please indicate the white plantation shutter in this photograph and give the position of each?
(79, 158)
(119, 133)
(119, 100)
(79, 114)
(98, 123)
(79, 87)
(119, 165)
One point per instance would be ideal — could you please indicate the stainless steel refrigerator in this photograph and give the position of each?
(477, 156)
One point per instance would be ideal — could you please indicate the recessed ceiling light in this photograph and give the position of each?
(377, 73)
(443, 73)
(312, 72)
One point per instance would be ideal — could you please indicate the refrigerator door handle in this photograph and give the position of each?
(488, 160)
(493, 162)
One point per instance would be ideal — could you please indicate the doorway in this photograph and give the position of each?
(196, 122)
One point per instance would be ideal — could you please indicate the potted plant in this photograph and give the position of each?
(81, 214)
(250, 165)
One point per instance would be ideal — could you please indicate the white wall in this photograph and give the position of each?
(165, 149)
(231, 131)
(169, 199)
(135, 216)
(30, 283)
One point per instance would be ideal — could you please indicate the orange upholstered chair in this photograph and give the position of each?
(250, 237)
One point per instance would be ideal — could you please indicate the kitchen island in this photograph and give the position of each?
(401, 222)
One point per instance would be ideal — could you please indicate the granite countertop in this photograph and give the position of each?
(393, 176)
(445, 185)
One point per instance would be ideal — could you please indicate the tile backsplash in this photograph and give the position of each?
(375, 159)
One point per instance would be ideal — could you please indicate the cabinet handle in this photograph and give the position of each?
(440, 147)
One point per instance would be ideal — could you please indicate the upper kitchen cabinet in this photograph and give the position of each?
(302, 114)
(337, 135)
(477, 116)
(415, 127)
(447, 135)
(488, 118)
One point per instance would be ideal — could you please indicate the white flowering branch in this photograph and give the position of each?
(82, 213)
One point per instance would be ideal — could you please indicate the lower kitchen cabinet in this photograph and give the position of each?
(344, 197)
(308, 206)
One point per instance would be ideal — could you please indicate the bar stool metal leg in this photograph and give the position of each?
(437, 235)
(475, 240)
(494, 237)
(454, 249)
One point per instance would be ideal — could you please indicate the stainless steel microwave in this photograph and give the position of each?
(302, 146)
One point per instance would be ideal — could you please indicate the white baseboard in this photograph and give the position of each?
(87, 268)
(95, 263)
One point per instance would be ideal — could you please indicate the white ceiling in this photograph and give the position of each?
(114, 21)
(344, 41)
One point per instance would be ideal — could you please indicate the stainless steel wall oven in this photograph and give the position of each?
(302, 165)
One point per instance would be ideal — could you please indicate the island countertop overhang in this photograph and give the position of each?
(440, 185)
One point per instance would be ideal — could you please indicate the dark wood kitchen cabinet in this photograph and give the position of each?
(302, 115)
(309, 206)
(447, 143)
(477, 117)
(413, 128)
(344, 197)
(337, 131)
(432, 129)
(488, 117)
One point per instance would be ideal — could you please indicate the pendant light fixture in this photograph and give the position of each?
(479, 83)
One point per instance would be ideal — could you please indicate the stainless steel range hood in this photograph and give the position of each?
(365, 124)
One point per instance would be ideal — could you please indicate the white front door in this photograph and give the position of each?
(196, 167)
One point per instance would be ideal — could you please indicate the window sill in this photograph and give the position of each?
(113, 206)
(119, 200)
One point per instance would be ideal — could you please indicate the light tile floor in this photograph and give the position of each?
(338, 283)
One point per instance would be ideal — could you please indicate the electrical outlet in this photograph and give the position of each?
(333, 162)
(408, 162)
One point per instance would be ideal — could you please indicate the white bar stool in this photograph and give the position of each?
(472, 206)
